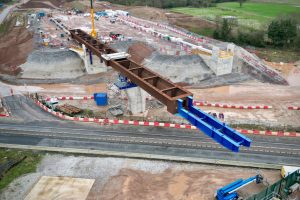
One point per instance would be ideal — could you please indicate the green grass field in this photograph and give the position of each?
(292, 2)
(252, 14)
(26, 166)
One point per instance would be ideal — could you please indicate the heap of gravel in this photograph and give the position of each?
(52, 64)
(122, 46)
(222, 80)
(189, 69)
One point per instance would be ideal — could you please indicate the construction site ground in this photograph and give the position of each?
(14, 49)
(26, 66)
(279, 116)
(279, 97)
(117, 178)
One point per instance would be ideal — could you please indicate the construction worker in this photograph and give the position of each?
(221, 116)
(215, 115)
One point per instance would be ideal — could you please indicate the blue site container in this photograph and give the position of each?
(100, 99)
(101, 14)
(41, 14)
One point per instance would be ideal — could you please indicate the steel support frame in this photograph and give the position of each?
(159, 87)
(218, 131)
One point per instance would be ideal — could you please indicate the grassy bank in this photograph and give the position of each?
(252, 15)
(278, 55)
(28, 165)
(6, 26)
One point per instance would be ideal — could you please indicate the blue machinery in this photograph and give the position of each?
(123, 83)
(218, 131)
(228, 192)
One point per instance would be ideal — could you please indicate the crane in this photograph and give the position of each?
(93, 33)
(228, 192)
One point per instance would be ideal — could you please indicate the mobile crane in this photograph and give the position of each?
(229, 192)
(93, 33)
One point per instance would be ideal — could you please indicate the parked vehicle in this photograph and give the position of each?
(51, 103)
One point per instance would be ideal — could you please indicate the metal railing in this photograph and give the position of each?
(280, 189)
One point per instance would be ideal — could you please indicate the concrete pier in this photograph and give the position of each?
(136, 100)
(91, 67)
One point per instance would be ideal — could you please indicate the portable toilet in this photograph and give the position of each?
(100, 99)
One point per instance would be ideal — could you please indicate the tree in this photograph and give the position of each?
(241, 2)
(5, 1)
(224, 31)
(282, 31)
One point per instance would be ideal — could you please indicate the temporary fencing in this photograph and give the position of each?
(157, 124)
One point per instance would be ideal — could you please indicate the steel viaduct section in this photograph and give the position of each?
(176, 98)
(156, 85)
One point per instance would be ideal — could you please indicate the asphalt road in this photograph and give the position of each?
(30, 125)
(5, 12)
(8, 9)
(23, 108)
(154, 140)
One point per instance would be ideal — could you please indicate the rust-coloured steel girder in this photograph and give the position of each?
(159, 87)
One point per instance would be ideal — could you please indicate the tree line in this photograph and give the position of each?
(283, 31)
(5, 1)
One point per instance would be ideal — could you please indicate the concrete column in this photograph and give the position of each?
(136, 100)
(220, 65)
(85, 60)
(231, 47)
(91, 67)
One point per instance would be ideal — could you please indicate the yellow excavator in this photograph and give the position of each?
(93, 33)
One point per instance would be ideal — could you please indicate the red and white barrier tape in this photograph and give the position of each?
(159, 124)
(198, 103)
(269, 133)
(294, 107)
(4, 115)
(71, 98)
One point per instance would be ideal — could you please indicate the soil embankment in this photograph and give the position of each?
(45, 4)
(52, 64)
(178, 19)
(14, 49)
